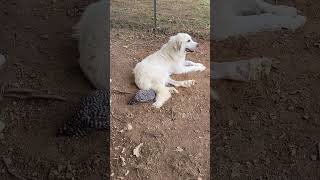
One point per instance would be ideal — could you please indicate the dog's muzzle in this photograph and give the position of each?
(192, 50)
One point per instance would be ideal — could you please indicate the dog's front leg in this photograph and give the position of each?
(190, 63)
(186, 69)
(186, 83)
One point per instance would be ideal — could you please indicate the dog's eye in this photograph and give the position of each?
(189, 40)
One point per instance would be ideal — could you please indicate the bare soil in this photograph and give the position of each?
(269, 129)
(176, 138)
(36, 38)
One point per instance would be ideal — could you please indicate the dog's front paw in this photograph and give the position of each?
(157, 105)
(201, 67)
(188, 83)
(198, 64)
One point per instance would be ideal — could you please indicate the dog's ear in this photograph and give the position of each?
(177, 45)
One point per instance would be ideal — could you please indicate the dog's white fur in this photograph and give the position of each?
(242, 17)
(91, 32)
(154, 71)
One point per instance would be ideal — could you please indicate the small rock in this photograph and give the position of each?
(123, 161)
(136, 150)
(249, 165)
(127, 172)
(129, 127)
(2, 126)
(178, 149)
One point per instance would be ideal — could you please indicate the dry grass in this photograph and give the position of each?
(192, 16)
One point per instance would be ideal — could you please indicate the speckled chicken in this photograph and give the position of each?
(92, 115)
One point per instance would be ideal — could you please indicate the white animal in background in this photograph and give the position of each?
(242, 17)
(91, 32)
(153, 72)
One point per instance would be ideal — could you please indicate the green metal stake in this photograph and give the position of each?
(155, 14)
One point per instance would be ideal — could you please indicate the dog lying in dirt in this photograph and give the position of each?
(242, 17)
(153, 72)
(91, 33)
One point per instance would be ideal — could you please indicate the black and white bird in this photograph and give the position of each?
(92, 115)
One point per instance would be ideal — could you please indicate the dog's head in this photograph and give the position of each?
(182, 42)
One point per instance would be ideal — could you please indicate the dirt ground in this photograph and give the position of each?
(176, 138)
(36, 38)
(269, 129)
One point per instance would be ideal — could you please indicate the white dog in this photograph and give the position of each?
(91, 32)
(241, 17)
(154, 71)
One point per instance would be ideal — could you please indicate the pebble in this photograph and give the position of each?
(179, 149)
(2, 60)
(129, 127)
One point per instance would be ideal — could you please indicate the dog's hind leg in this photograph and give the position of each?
(163, 94)
(186, 83)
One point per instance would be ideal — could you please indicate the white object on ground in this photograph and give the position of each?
(243, 70)
(136, 151)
